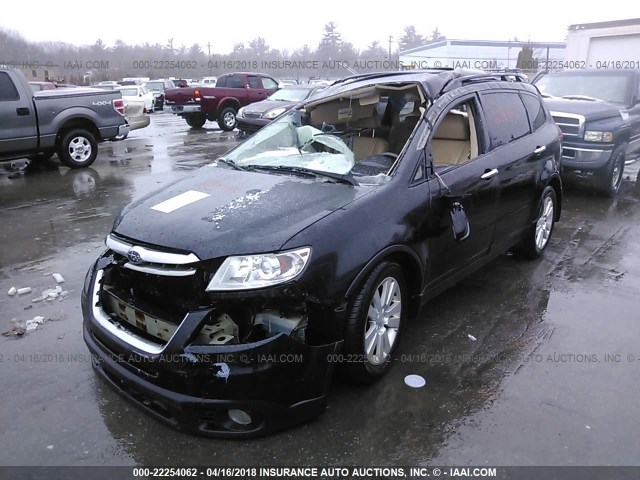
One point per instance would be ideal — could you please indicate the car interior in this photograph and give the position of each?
(455, 140)
(375, 122)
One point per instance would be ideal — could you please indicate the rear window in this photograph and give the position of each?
(7, 88)
(234, 81)
(535, 110)
(254, 82)
(506, 117)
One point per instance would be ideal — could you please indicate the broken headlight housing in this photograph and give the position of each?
(247, 272)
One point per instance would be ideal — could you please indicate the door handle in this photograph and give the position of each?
(540, 150)
(22, 111)
(489, 173)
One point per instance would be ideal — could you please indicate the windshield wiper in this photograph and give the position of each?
(230, 163)
(580, 97)
(305, 171)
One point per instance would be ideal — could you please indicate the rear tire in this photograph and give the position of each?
(227, 119)
(196, 120)
(78, 148)
(610, 178)
(375, 320)
(537, 238)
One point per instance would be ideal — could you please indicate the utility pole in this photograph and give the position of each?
(390, 40)
(209, 56)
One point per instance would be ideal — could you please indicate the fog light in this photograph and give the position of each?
(239, 416)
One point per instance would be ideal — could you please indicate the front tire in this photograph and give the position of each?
(537, 238)
(227, 119)
(195, 120)
(610, 178)
(376, 317)
(78, 148)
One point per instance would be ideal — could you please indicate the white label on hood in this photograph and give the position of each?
(179, 201)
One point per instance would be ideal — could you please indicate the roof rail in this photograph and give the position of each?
(363, 76)
(506, 76)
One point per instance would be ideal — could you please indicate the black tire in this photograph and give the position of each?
(195, 120)
(227, 120)
(529, 247)
(78, 148)
(41, 156)
(357, 363)
(610, 177)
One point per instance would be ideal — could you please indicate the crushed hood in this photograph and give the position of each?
(229, 212)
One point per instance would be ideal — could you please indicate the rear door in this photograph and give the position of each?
(516, 160)
(18, 131)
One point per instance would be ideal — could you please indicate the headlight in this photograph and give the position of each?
(274, 113)
(594, 136)
(240, 112)
(258, 271)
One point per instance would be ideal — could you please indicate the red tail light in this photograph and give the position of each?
(197, 93)
(118, 106)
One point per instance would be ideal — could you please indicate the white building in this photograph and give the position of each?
(602, 44)
(480, 54)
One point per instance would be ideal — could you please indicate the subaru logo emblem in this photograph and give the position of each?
(134, 256)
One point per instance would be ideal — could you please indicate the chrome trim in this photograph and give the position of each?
(581, 121)
(489, 174)
(117, 331)
(540, 150)
(160, 271)
(600, 150)
(150, 256)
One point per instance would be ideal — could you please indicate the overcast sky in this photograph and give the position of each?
(290, 24)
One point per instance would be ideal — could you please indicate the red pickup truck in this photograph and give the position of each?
(222, 102)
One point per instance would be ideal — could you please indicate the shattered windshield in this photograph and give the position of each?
(287, 142)
(358, 135)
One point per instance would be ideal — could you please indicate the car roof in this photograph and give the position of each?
(433, 81)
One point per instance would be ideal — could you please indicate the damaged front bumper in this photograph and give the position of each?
(231, 390)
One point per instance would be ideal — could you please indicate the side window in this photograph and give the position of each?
(269, 83)
(222, 81)
(7, 88)
(235, 81)
(456, 137)
(506, 117)
(254, 82)
(535, 110)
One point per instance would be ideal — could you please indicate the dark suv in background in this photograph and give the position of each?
(224, 301)
(599, 114)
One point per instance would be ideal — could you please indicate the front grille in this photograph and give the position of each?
(148, 292)
(571, 124)
(252, 115)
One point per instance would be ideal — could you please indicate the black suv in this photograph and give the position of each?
(599, 114)
(225, 300)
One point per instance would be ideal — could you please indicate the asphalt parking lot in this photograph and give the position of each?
(526, 362)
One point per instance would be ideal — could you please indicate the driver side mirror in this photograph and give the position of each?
(459, 222)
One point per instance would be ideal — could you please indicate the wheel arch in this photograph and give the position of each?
(228, 102)
(410, 264)
(77, 122)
